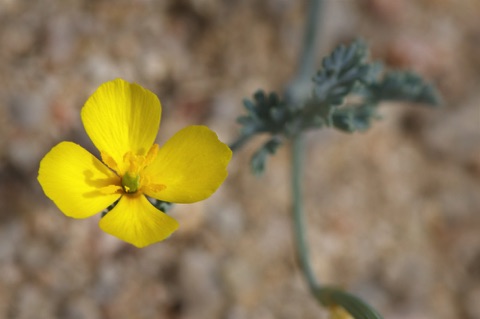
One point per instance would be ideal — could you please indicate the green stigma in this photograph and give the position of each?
(130, 183)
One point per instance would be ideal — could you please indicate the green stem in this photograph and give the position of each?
(310, 40)
(298, 152)
(325, 295)
(295, 92)
(301, 87)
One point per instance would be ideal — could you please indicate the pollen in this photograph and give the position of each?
(132, 179)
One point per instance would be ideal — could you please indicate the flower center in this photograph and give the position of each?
(130, 183)
(133, 179)
(134, 164)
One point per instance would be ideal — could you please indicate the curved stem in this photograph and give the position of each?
(325, 295)
(303, 254)
(307, 64)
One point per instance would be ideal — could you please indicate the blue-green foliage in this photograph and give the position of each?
(259, 159)
(340, 72)
(346, 93)
(266, 113)
(405, 87)
(161, 205)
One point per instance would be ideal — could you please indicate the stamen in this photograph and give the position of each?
(151, 155)
(130, 159)
(110, 189)
(109, 161)
(155, 187)
(132, 179)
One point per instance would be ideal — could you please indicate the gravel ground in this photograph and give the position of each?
(394, 213)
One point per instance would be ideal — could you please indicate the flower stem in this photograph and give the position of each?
(304, 72)
(310, 40)
(298, 152)
(325, 295)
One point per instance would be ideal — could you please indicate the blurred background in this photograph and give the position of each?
(393, 213)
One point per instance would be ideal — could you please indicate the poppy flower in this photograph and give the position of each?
(122, 120)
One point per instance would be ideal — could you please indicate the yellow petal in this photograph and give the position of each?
(77, 182)
(137, 222)
(191, 166)
(121, 117)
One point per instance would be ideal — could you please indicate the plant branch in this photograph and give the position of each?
(303, 255)
(325, 295)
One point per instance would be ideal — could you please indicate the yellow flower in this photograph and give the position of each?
(122, 120)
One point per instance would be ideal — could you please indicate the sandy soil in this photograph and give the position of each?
(394, 213)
